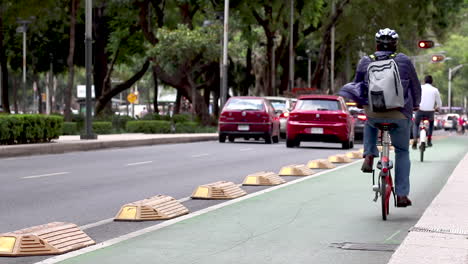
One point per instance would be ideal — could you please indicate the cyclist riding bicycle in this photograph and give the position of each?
(386, 42)
(430, 103)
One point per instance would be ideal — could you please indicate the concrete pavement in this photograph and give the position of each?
(73, 143)
(290, 223)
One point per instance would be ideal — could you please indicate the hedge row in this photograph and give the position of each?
(100, 128)
(21, 129)
(161, 126)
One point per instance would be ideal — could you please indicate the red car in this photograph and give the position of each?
(248, 117)
(320, 118)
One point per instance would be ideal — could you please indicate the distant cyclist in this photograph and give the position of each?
(386, 42)
(430, 102)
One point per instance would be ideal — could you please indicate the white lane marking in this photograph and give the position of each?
(139, 163)
(185, 199)
(392, 236)
(200, 155)
(179, 219)
(245, 149)
(46, 175)
(102, 222)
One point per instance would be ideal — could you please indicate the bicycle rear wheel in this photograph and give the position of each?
(383, 197)
(422, 148)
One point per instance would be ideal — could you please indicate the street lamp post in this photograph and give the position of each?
(88, 62)
(309, 68)
(224, 90)
(291, 49)
(22, 29)
(451, 71)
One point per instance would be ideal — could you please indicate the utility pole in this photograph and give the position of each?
(224, 90)
(88, 62)
(23, 29)
(273, 68)
(332, 55)
(291, 50)
(451, 71)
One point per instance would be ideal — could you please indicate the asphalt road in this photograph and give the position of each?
(88, 188)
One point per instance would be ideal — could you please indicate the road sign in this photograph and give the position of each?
(132, 98)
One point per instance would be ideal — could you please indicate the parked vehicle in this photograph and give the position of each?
(320, 118)
(248, 117)
(450, 121)
(360, 119)
(283, 104)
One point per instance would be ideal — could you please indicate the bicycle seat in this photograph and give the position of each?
(386, 126)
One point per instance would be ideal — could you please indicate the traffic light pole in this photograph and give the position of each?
(449, 99)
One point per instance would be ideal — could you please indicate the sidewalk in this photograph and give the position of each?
(73, 143)
(299, 222)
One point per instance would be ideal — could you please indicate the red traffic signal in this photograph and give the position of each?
(437, 58)
(425, 44)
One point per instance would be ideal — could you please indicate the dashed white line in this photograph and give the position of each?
(102, 222)
(245, 149)
(392, 236)
(139, 163)
(46, 175)
(200, 155)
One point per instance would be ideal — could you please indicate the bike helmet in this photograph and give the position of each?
(386, 39)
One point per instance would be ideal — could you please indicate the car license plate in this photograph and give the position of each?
(316, 130)
(243, 127)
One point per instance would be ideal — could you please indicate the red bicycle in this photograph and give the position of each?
(384, 187)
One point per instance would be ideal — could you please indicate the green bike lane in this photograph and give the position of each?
(298, 223)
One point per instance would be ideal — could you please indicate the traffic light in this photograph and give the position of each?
(437, 58)
(425, 44)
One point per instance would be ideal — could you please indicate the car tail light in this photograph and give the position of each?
(265, 117)
(362, 117)
(284, 115)
(342, 117)
(222, 116)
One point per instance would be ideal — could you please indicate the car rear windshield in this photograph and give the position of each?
(318, 104)
(278, 104)
(244, 104)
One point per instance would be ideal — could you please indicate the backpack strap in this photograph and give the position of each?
(373, 57)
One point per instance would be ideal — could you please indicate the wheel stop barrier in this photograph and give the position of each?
(340, 158)
(295, 170)
(160, 207)
(320, 164)
(354, 155)
(49, 239)
(263, 178)
(221, 190)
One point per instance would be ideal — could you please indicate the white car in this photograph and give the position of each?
(448, 122)
(283, 105)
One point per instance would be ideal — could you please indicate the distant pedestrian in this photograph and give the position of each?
(143, 112)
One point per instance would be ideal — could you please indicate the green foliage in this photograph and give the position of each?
(20, 129)
(181, 118)
(149, 127)
(102, 127)
(186, 127)
(156, 117)
(182, 45)
(119, 122)
(70, 128)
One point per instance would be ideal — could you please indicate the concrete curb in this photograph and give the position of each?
(87, 145)
(441, 235)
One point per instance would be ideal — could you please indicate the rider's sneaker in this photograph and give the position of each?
(429, 142)
(368, 164)
(403, 201)
(414, 145)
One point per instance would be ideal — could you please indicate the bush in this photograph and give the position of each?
(186, 127)
(156, 117)
(102, 127)
(181, 118)
(70, 128)
(20, 129)
(149, 127)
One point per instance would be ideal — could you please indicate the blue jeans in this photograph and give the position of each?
(400, 140)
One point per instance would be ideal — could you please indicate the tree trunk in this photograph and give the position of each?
(15, 95)
(107, 97)
(177, 102)
(156, 90)
(39, 92)
(71, 68)
(4, 72)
